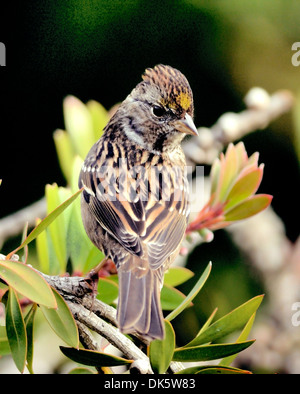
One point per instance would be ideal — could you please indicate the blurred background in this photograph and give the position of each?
(99, 49)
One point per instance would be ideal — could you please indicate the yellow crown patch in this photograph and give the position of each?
(184, 100)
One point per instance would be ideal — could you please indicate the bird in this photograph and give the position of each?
(134, 203)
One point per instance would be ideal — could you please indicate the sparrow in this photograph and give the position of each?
(134, 203)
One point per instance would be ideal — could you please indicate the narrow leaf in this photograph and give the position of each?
(227, 324)
(214, 178)
(46, 222)
(212, 369)
(222, 371)
(61, 321)
(208, 321)
(209, 352)
(248, 208)
(24, 235)
(76, 168)
(242, 156)
(161, 351)
(58, 228)
(229, 168)
(244, 188)
(195, 290)
(171, 298)
(175, 276)
(83, 253)
(107, 290)
(15, 329)
(99, 117)
(4, 345)
(93, 358)
(65, 152)
(43, 250)
(243, 337)
(81, 371)
(27, 281)
(79, 125)
(29, 319)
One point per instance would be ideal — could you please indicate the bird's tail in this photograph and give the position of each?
(139, 308)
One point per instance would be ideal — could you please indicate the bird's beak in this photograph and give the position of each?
(186, 125)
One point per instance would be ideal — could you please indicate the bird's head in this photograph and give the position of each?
(160, 109)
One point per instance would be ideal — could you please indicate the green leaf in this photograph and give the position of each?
(94, 257)
(209, 352)
(229, 168)
(212, 369)
(107, 290)
(65, 152)
(244, 188)
(81, 371)
(242, 156)
(175, 276)
(46, 222)
(208, 321)
(44, 252)
(93, 358)
(248, 208)
(58, 228)
(27, 281)
(222, 371)
(29, 319)
(195, 290)
(24, 235)
(61, 321)
(83, 253)
(215, 176)
(79, 125)
(99, 117)
(243, 337)
(76, 168)
(227, 324)
(161, 351)
(4, 345)
(171, 298)
(15, 329)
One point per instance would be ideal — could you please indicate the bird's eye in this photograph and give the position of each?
(158, 111)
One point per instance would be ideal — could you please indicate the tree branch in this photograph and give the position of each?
(90, 312)
(261, 110)
(79, 295)
(13, 225)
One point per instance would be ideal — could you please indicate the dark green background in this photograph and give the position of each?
(99, 49)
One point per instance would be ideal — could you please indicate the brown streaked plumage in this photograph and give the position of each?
(135, 199)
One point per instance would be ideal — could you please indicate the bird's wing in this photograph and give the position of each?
(146, 222)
